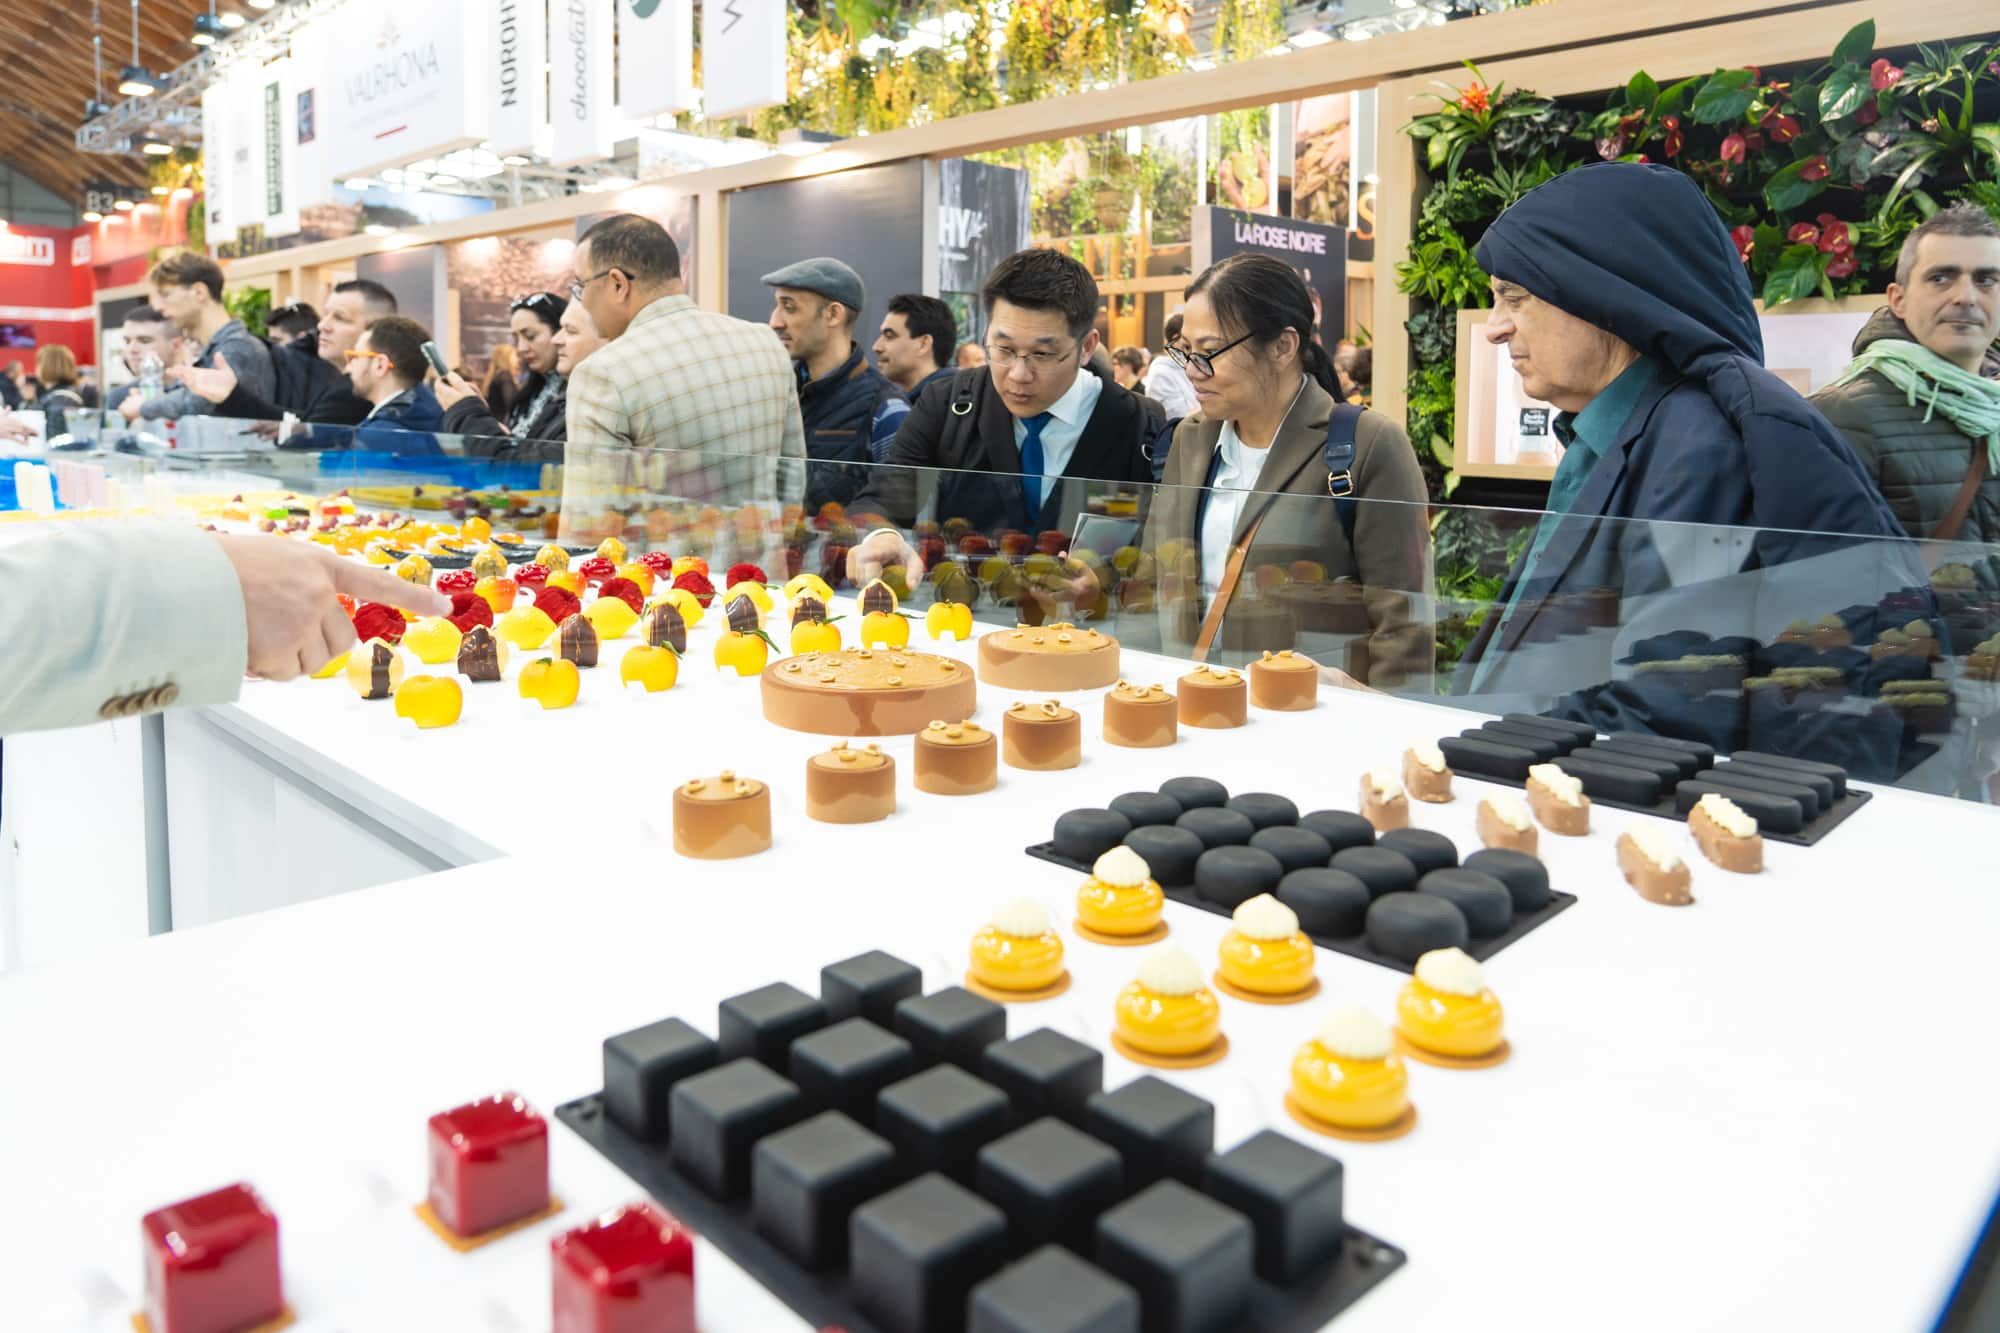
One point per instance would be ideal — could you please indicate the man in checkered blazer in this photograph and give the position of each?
(717, 391)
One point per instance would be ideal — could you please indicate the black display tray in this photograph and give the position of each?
(1354, 946)
(825, 1298)
(1826, 822)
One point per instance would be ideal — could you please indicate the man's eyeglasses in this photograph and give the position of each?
(1203, 361)
(1037, 362)
(576, 286)
(356, 354)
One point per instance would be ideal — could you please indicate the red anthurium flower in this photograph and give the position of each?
(1785, 130)
(1803, 233)
(1673, 124)
(1834, 239)
(1815, 169)
(1883, 75)
(1732, 148)
(1754, 140)
(1867, 115)
(1842, 266)
(1746, 241)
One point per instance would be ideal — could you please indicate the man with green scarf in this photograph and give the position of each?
(1920, 403)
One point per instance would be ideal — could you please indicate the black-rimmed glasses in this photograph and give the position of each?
(1203, 361)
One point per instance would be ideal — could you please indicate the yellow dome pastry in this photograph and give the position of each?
(434, 640)
(1348, 1077)
(1446, 1009)
(1267, 953)
(527, 627)
(1167, 1011)
(1120, 899)
(429, 701)
(611, 617)
(489, 564)
(374, 669)
(552, 558)
(1017, 951)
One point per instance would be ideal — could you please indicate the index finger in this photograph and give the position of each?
(378, 585)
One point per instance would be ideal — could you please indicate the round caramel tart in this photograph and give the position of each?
(1048, 657)
(866, 691)
(850, 785)
(721, 817)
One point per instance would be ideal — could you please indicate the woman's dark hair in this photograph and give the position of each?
(1258, 296)
(545, 306)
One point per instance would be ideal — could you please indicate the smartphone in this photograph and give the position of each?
(436, 358)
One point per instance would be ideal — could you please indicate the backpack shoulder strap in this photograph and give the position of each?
(1339, 459)
(961, 415)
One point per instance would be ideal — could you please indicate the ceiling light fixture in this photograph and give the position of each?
(206, 30)
(230, 20)
(156, 148)
(260, 4)
(513, 160)
(161, 191)
(122, 205)
(92, 215)
(133, 80)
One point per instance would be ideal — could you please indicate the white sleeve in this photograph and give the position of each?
(114, 619)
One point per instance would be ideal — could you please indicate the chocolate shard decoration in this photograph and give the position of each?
(577, 641)
(381, 683)
(808, 609)
(479, 655)
(877, 596)
(742, 613)
(665, 627)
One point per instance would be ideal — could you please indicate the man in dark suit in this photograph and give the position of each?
(1012, 433)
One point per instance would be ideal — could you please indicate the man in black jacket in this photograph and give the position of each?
(1033, 418)
(315, 389)
(843, 400)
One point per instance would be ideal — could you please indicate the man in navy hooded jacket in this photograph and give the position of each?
(1623, 302)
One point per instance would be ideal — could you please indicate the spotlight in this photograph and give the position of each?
(122, 205)
(229, 21)
(93, 108)
(513, 160)
(160, 190)
(134, 81)
(206, 30)
(260, 4)
(92, 215)
(156, 148)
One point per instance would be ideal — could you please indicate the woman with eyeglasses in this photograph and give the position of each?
(576, 338)
(539, 412)
(1280, 525)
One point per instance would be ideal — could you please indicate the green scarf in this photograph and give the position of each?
(1968, 402)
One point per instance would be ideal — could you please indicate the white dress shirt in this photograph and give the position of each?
(1241, 465)
(1068, 415)
(1168, 385)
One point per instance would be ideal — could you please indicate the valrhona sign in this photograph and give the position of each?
(415, 87)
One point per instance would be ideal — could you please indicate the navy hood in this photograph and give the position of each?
(1636, 250)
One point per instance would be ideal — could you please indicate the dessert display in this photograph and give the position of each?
(1264, 809)
(611, 617)
(552, 558)
(377, 620)
(212, 1265)
(498, 594)
(743, 651)
(1120, 903)
(1425, 775)
(1140, 716)
(885, 629)
(721, 817)
(558, 602)
(414, 569)
(1504, 821)
(657, 669)
(691, 607)
(1266, 958)
(1446, 1015)
(1382, 869)
(863, 692)
(1217, 827)
(1229, 876)
(1726, 835)
(490, 563)
(1422, 848)
(489, 1170)
(374, 669)
(639, 574)
(952, 618)
(1048, 658)
(1557, 799)
(1167, 1016)
(1406, 925)
(1017, 956)
(430, 701)
(813, 633)
(550, 682)
(1383, 803)
(1652, 866)
(434, 640)
(1326, 901)
(1296, 848)
(1349, 1082)
(1085, 835)
(628, 1269)
(1284, 682)
(527, 628)
(1041, 737)
(481, 657)
(956, 759)
(576, 641)
(1482, 900)
(1916, 639)
(1525, 878)
(612, 549)
(846, 785)
(1213, 697)
(1142, 808)
(661, 626)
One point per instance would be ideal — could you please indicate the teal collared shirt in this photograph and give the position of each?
(1585, 436)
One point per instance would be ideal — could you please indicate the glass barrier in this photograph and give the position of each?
(1878, 655)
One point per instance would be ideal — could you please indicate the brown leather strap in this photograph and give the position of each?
(1961, 505)
(1232, 574)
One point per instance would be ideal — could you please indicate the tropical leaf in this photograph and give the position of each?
(1641, 92)
(1857, 45)
(1725, 97)
(1846, 89)
(1789, 188)
(1675, 97)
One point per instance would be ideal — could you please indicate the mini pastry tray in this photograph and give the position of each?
(1699, 771)
(828, 1296)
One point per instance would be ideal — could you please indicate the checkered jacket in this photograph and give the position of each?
(685, 379)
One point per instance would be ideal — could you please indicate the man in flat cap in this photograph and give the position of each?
(846, 403)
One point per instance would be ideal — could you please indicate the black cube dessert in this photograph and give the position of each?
(1341, 828)
(953, 1026)
(1487, 906)
(1217, 827)
(1085, 835)
(1045, 1073)
(1195, 793)
(719, 1116)
(1406, 926)
(1326, 901)
(1230, 876)
(806, 1181)
(1266, 809)
(1169, 852)
(1157, 1129)
(1526, 878)
(1147, 808)
(1296, 848)
(841, 1068)
(940, 1119)
(1427, 851)
(1052, 1181)
(1382, 870)
(915, 1253)
(1292, 1196)
(763, 1023)
(1188, 1257)
(641, 1068)
(868, 986)
(1053, 1291)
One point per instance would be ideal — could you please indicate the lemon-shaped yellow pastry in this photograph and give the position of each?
(809, 585)
(477, 529)
(1447, 1009)
(374, 669)
(1167, 1011)
(612, 549)
(414, 568)
(490, 564)
(687, 604)
(552, 558)
(1266, 953)
(1349, 1075)
(640, 575)
(1120, 897)
(1017, 950)
(430, 701)
(434, 640)
(611, 617)
(527, 627)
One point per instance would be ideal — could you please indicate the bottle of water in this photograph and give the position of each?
(149, 378)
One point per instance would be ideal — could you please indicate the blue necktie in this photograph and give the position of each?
(1031, 464)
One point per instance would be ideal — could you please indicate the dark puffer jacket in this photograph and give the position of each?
(1918, 465)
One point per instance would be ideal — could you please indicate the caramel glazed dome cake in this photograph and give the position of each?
(866, 691)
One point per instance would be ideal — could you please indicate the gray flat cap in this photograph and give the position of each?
(826, 277)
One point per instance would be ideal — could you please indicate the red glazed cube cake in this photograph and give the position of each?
(212, 1264)
(489, 1164)
(629, 1271)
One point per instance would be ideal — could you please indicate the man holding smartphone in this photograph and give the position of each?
(387, 366)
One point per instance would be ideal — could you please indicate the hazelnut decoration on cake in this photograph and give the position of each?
(866, 691)
(1045, 658)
